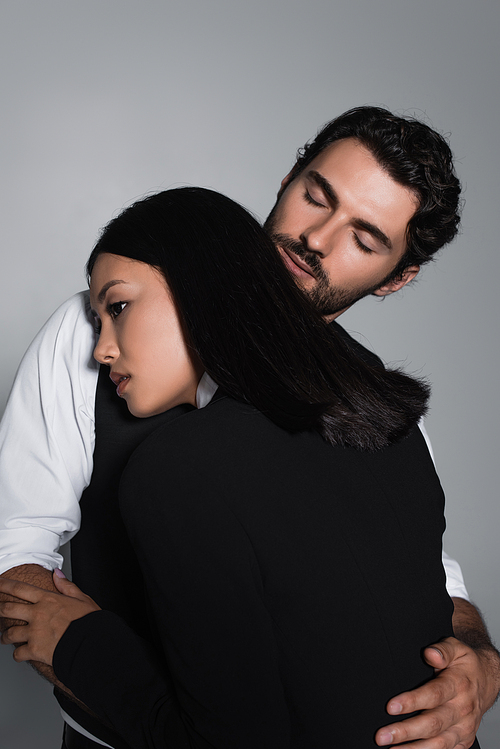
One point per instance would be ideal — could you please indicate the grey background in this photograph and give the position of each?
(103, 101)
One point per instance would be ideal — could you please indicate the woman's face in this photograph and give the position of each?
(141, 337)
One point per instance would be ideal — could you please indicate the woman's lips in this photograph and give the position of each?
(297, 266)
(120, 381)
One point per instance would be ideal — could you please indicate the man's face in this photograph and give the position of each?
(340, 227)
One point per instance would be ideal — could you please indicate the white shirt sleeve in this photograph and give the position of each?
(47, 439)
(455, 584)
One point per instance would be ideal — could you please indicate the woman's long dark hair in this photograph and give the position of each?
(255, 333)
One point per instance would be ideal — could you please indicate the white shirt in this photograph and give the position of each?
(47, 442)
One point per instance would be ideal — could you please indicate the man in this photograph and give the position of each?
(370, 200)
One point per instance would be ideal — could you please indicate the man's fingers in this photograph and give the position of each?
(442, 654)
(447, 740)
(433, 694)
(450, 703)
(436, 729)
(419, 727)
(435, 657)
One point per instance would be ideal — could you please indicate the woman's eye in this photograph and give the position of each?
(116, 308)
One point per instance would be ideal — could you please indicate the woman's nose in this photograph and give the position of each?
(106, 349)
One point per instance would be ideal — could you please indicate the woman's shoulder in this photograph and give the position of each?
(187, 466)
(199, 436)
(219, 446)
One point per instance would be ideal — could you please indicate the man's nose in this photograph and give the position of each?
(322, 236)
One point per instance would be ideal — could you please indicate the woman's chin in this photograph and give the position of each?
(144, 411)
(140, 412)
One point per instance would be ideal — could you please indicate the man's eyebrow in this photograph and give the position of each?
(375, 231)
(365, 225)
(108, 285)
(324, 184)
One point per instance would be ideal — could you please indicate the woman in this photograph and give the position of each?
(282, 616)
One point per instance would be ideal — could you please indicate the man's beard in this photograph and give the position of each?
(328, 299)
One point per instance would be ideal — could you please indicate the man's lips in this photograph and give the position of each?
(295, 264)
(120, 381)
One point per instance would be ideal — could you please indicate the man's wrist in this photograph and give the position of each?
(469, 628)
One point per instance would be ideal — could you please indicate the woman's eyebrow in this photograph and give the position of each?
(107, 285)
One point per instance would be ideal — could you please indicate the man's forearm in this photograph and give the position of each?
(27, 573)
(469, 627)
(42, 578)
(34, 574)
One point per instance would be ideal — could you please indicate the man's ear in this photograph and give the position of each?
(292, 174)
(397, 283)
(284, 183)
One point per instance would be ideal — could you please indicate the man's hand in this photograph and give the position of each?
(466, 685)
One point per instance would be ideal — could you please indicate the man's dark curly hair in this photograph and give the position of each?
(416, 157)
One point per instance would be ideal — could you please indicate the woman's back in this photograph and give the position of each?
(293, 584)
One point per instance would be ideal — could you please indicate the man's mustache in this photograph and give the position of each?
(297, 247)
